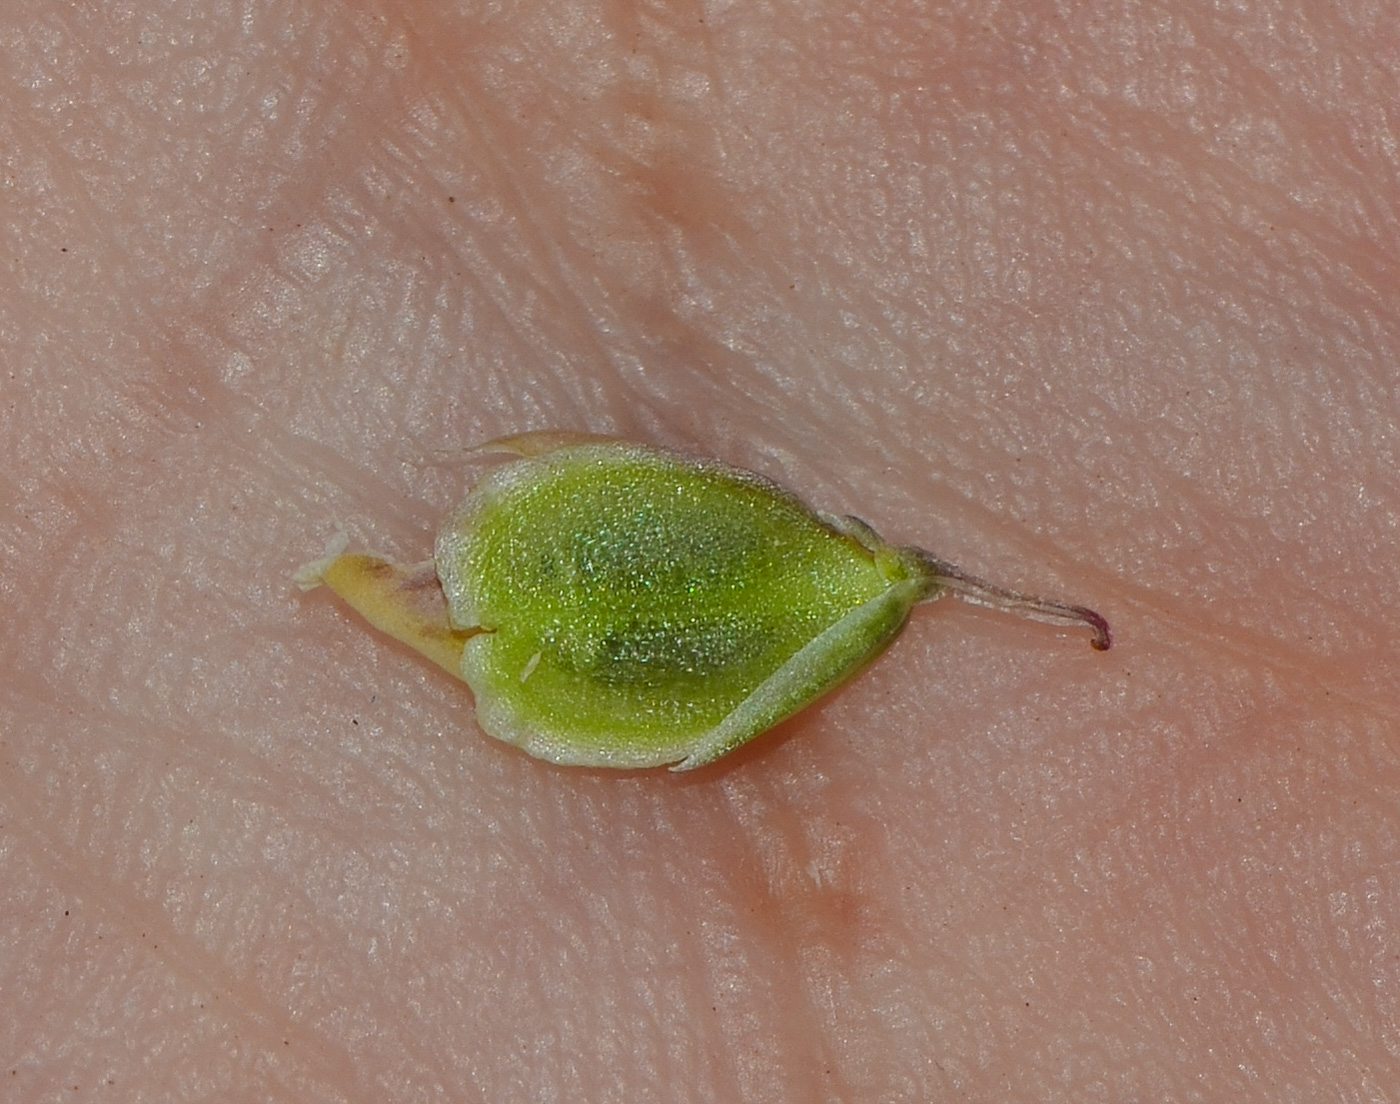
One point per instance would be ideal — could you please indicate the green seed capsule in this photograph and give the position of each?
(611, 604)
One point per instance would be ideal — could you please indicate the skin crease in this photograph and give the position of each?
(1097, 303)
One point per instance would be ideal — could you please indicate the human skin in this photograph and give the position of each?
(1095, 303)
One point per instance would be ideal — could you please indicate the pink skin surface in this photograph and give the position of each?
(1098, 303)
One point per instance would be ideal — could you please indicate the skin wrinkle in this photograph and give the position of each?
(1092, 302)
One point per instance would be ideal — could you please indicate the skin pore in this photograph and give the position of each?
(1096, 303)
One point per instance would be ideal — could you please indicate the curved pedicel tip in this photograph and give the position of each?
(1103, 635)
(982, 593)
